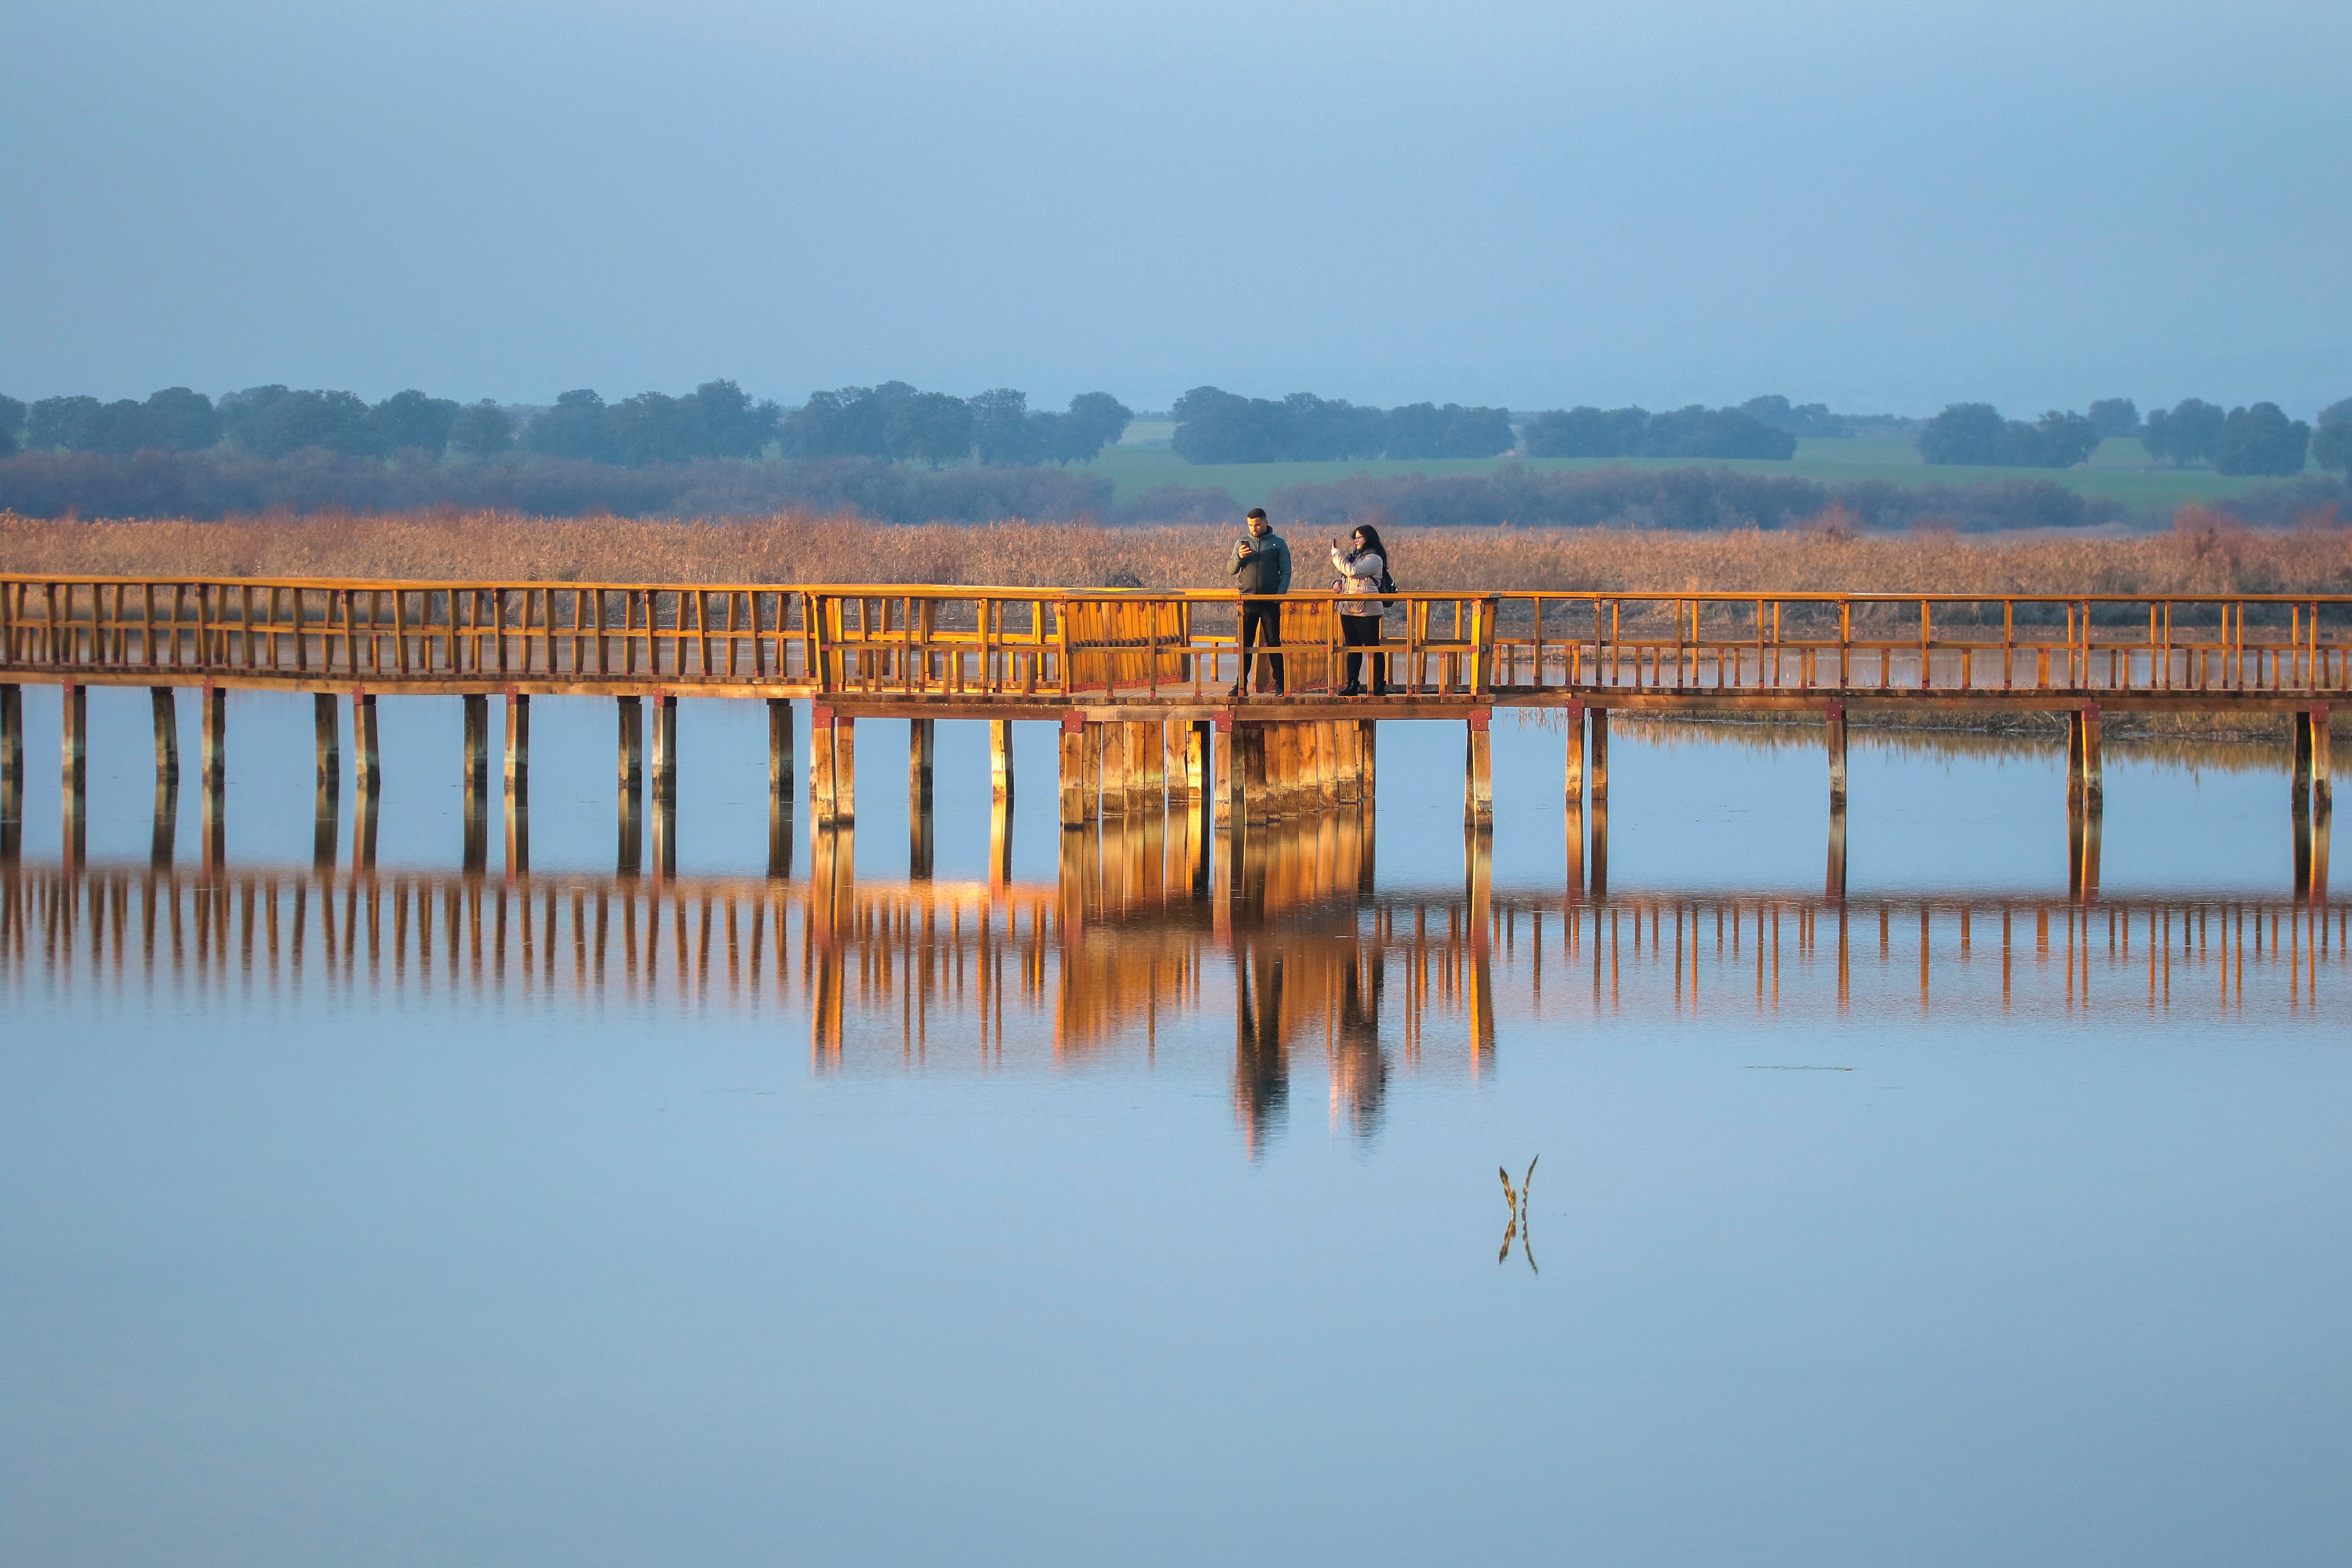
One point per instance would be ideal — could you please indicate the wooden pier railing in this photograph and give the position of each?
(1014, 648)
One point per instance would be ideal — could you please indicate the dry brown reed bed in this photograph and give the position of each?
(2206, 552)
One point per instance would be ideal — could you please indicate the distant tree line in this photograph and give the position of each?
(1217, 426)
(892, 422)
(2260, 440)
(1693, 432)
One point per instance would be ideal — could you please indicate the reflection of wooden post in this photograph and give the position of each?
(1478, 784)
(1599, 772)
(1000, 759)
(1074, 770)
(1834, 715)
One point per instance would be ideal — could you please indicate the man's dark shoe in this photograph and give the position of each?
(1351, 689)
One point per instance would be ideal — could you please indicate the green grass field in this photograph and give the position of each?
(2120, 470)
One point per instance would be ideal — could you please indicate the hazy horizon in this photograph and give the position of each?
(1886, 209)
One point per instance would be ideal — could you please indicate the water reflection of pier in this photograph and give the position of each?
(1148, 935)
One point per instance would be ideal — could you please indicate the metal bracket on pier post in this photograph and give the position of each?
(1073, 775)
(1834, 713)
(1479, 774)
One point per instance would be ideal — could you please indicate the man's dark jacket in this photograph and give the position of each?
(1266, 568)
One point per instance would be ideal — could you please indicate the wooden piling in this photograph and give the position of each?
(1092, 744)
(1833, 883)
(1329, 766)
(74, 733)
(1574, 782)
(2322, 789)
(326, 740)
(478, 741)
(212, 758)
(1600, 725)
(1073, 771)
(367, 758)
(164, 702)
(1198, 749)
(1110, 753)
(820, 764)
(1369, 757)
(1151, 779)
(2300, 774)
(922, 741)
(1000, 759)
(633, 746)
(12, 737)
(1834, 715)
(844, 770)
(516, 760)
(1478, 779)
(664, 760)
(1225, 773)
(780, 750)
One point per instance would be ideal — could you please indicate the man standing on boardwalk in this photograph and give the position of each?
(1261, 563)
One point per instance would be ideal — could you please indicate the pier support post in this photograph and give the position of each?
(326, 743)
(73, 736)
(212, 770)
(364, 832)
(1151, 779)
(2323, 798)
(1000, 840)
(162, 844)
(1597, 862)
(1572, 783)
(1225, 773)
(1369, 759)
(780, 746)
(12, 770)
(367, 759)
(2085, 776)
(664, 760)
(74, 772)
(920, 742)
(518, 745)
(633, 746)
(1000, 759)
(1478, 783)
(1600, 717)
(1833, 886)
(1834, 713)
(163, 701)
(1197, 768)
(1073, 777)
(478, 741)
(1330, 766)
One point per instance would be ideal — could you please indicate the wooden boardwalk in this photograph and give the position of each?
(1146, 687)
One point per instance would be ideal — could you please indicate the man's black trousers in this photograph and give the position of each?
(1261, 616)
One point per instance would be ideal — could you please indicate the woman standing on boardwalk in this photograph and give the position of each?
(1363, 577)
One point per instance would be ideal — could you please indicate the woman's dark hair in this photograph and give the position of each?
(1372, 542)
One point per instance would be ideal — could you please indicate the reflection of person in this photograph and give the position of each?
(1361, 567)
(1261, 1065)
(1358, 1071)
(1261, 561)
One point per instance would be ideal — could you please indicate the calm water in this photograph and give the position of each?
(1139, 1207)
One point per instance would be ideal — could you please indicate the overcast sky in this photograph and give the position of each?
(1884, 207)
